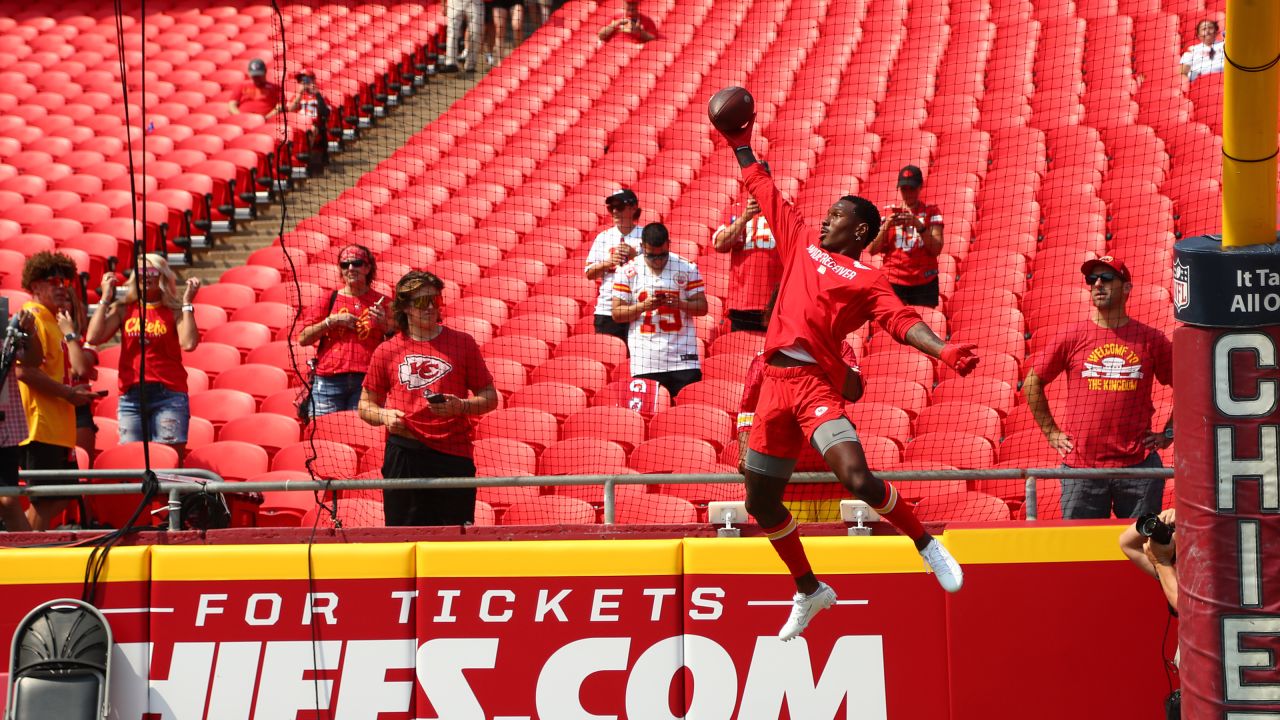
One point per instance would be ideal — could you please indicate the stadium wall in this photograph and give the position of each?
(1052, 622)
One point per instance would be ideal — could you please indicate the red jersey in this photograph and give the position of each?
(754, 267)
(406, 371)
(822, 297)
(906, 259)
(1109, 375)
(261, 100)
(342, 350)
(164, 352)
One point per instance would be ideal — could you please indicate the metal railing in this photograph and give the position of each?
(208, 481)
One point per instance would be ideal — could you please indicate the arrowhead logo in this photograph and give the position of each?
(820, 411)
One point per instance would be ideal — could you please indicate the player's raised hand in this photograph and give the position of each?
(959, 357)
(733, 112)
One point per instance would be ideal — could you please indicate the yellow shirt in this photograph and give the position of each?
(50, 419)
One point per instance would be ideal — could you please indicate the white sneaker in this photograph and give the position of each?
(805, 607)
(939, 562)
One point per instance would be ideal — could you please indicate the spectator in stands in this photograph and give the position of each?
(755, 268)
(13, 425)
(910, 239)
(540, 10)
(1110, 362)
(152, 319)
(49, 402)
(612, 248)
(348, 323)
(1207, 56)
(458, 11)
(258, 95)
(310, 103)
(417, 388)
(499, 15)
(633, 25)
(73, 321)
(658, 294)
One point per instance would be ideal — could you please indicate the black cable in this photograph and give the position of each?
(1165, 661)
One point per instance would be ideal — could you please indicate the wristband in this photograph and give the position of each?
(188, 308)
(71, 337)
(746, 158)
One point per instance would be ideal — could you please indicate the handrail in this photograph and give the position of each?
(208, 481)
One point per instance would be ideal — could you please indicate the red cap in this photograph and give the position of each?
(1116, 264)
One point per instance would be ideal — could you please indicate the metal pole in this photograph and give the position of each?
(610, 501)
(1029, 503)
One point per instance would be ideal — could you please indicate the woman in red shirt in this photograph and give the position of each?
(425, 386)
(348, 324)
(154, 407)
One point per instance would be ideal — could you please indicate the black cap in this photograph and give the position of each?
(621, 197)
(257, 67)
(910, 176)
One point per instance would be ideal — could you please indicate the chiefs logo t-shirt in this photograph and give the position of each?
(406, 371)
(1109, 372)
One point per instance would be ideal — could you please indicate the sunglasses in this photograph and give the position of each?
(59, 281)
(151, 272)
(423, 302)
(348, 264)
(1095, 277)
(657, 255)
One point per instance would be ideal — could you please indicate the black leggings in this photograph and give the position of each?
(405, 458)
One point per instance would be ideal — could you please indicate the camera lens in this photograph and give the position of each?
(1150, 525)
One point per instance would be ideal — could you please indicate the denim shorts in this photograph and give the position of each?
(335, 393)
(168, 414)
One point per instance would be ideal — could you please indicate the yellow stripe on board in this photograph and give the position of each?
(556, 558)
(1093, 543)
(283, 562)
(33, 566)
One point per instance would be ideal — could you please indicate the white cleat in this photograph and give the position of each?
(939, 562)
(804, 608)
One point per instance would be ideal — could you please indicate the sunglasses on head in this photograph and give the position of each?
(347, 264)
(1095, 277)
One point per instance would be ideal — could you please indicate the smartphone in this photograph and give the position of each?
(102, 393)
(435, 398)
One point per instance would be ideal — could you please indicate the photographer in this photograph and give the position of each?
(1152, 544)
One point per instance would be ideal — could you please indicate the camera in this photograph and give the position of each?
(1150, 525)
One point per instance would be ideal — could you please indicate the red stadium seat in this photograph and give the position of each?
(255, 379)
(749, 343)
(725, 395)
(617, 424)
(550, 510)
(232, 459)
(959, 449)
(877, 419)
(674, 454)
(960, 416)
(1029, 448)
(641, 395)
(581, 456)
(590, 375)
(535, 427)
(274, 315)
(209, 356)
(969, 507)
(502, 456)
(908, 395)
(332, 460)
(653, 508)
(900, 363)
(559, 399)
(702, 422)
(229, 296)
(115, 510)
(219, 406)
(258, 277)
(607, 349)
(987, 391)
(271, 431)
(242, 335)
(528, 351)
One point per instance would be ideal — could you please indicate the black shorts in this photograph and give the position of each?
(502, 4)
(405, 458)
(9, 461)
(606, 325)
(84, 418)
(746, 320)
(925, 295)
(674, 380)
(43, 456)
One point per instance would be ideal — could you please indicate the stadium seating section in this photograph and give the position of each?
(1050, 132)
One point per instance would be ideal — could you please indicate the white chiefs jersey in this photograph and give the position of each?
(600, 251)
(664, 338)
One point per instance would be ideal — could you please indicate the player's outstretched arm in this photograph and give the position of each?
(957, 356)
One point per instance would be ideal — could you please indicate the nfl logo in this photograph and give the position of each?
(1181, 285)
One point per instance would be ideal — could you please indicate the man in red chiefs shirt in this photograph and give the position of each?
(910, 239)
(754, 266)
(1110, 361)
(258, 95)
(825, 294)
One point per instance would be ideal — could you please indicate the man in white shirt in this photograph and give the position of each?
(1207, 56)
(659, 294)
(612, 248)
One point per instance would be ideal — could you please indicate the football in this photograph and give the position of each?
(731, 109)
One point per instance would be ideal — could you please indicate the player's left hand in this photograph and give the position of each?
(959, 357)
(453, 406)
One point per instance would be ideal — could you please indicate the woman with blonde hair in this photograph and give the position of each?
(154, 407)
